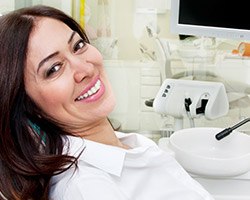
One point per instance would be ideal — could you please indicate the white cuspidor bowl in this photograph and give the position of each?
(199, 152)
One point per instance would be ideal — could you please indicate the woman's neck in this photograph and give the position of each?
(103, 133)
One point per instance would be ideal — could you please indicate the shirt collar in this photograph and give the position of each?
(106, 157)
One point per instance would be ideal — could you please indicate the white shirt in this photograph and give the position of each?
(107, 172)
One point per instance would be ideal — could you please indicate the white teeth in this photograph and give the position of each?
(91, 91)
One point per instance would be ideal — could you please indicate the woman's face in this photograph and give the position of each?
(65, 76)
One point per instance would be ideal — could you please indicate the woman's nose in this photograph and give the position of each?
(82, 70)
(79, 76)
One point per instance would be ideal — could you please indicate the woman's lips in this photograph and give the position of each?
(93, 93)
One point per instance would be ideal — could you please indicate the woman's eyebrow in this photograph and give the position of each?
(55, 53)
(71, 37)
(46, 59)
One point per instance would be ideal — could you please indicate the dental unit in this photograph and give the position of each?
(179, 98)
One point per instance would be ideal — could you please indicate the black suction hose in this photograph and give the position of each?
(227, 131)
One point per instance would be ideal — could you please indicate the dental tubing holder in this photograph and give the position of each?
(179, 98)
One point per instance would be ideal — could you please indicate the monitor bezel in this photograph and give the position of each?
(205, 31)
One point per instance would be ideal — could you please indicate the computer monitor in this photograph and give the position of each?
(211, 18)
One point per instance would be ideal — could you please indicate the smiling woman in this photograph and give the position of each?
(55, 137)
(64, 75)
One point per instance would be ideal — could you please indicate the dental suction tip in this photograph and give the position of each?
(223, 133)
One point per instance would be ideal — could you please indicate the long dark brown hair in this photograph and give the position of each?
(28, 158)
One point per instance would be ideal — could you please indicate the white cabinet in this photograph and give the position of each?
(150, 84)
(133, 83)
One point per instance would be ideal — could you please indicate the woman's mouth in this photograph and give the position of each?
(91, 91)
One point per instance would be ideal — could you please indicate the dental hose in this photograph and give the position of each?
(227, 131)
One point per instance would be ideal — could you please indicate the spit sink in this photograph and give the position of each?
(199, 152)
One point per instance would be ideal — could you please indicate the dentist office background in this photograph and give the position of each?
(140, 52)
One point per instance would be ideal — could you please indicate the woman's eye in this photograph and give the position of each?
(53, 70)
(79, 45)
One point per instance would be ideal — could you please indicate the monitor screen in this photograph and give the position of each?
(212, 18)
